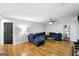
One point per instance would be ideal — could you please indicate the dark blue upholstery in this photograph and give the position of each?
(56, 36)
(53, 35)
(59, 36)
(41, 34)
(37, 40)
(31, 37)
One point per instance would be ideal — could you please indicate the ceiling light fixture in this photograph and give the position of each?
(50, 21)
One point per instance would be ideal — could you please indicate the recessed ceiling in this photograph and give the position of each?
(39, 12)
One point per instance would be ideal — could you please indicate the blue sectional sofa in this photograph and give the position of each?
(37, 39)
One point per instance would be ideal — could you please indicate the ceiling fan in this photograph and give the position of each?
(52, 21)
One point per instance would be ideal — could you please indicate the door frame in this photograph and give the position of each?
(4, 32)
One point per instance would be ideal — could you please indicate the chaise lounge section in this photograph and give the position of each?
(37, 39)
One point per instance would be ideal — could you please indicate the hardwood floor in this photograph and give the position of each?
(49, 48)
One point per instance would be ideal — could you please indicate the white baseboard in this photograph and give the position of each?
(1, 44)
(15, 43)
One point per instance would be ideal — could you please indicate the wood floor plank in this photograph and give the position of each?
(49, 48)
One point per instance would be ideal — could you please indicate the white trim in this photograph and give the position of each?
(15, 43)
(1, 44)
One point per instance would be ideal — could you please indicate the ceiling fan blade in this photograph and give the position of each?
(54, 20)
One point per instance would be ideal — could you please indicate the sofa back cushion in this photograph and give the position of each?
(52, 33)
(31, 37)
(40, 34)
(59, 35)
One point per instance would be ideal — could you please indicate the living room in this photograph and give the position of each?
(39, 29)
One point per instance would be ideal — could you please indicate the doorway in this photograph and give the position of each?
(8, 33)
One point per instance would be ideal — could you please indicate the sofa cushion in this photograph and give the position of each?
(59, 36)
(31, 37)
(53, 35)
(40, 34)
(39, 39)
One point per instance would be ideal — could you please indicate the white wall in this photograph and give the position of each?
(34, 27)
(0, 33)
(58, 27)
